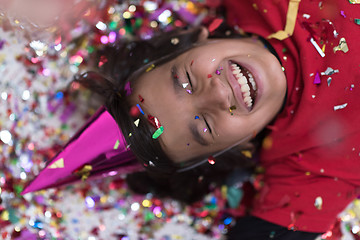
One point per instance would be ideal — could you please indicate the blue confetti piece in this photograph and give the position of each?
(140, 109)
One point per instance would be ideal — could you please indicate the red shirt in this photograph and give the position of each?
(313, 164)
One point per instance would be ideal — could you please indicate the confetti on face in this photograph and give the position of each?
(141, 99)
(205, 129)
(209, 75)
(196, 117)
(158, 132)
(192, 62)
(184, 85)
(189, 91)
(213, 60)
(138, 106)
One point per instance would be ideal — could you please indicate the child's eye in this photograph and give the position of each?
(189, 79)
(207, 125)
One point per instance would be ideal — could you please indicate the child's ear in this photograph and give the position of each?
(203, 35)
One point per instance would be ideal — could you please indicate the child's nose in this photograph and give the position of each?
(214, 96)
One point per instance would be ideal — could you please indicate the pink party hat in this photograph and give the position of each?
(98, 149)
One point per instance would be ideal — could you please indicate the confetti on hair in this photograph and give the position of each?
(338, 107)
(141, 98)
(342, 46)
(128, 89)
(138, 106)
(151, 67)
(134, 111)
(154, 121)
(136, 122)
(196, 117)
(158, 132)
(246, 153)
(209, 75)
(211, 160)
(174, 41)
(215, 24)
(317, 79)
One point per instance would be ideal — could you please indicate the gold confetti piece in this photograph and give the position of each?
(318, 203)
(342, 46)
(338, 107)
(354, 1)
(57, 164)
(246, 153)
(84, 172)
(137, 122)
(150, 68)
(290, 21)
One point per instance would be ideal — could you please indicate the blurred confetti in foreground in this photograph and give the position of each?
(40, 109)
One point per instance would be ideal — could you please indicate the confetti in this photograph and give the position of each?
(215, 24)
(151, 67)
(136, 122)
(342, 46)
(117, 144)
(211, 160)
(342, 13)
(338, 107)
(141, 98)
(329, 71)
(329, 81)
(357, 21)
(154, 121)
(174, 41)
(138, 106)
(209, 75)
(354, 1)
(318, 49)
(192, 62)
(318, 203)
(57, 164)
(317, 79)
(158, 132)
(196, 117)
(184, 85)
(83, 172)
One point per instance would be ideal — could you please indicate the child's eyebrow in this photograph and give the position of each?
(175, 79)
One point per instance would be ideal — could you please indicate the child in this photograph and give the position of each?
(206, 99)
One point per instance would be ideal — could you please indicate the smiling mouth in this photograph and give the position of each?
(247, 83)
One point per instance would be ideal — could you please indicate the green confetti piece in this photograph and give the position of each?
(234, 196)
(357, 21)
(113, 25)
(158, 132)
(116, 146)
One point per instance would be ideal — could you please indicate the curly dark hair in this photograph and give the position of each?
(122, 63)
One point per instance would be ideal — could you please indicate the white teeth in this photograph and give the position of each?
(244, 86)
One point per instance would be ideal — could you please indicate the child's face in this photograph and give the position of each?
(196, 116)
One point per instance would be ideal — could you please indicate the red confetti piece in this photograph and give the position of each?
(215, 24)
(141, 98)
(209, 75)
(211, 160)
(154, 121)
(192, 62)
(134, 111)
